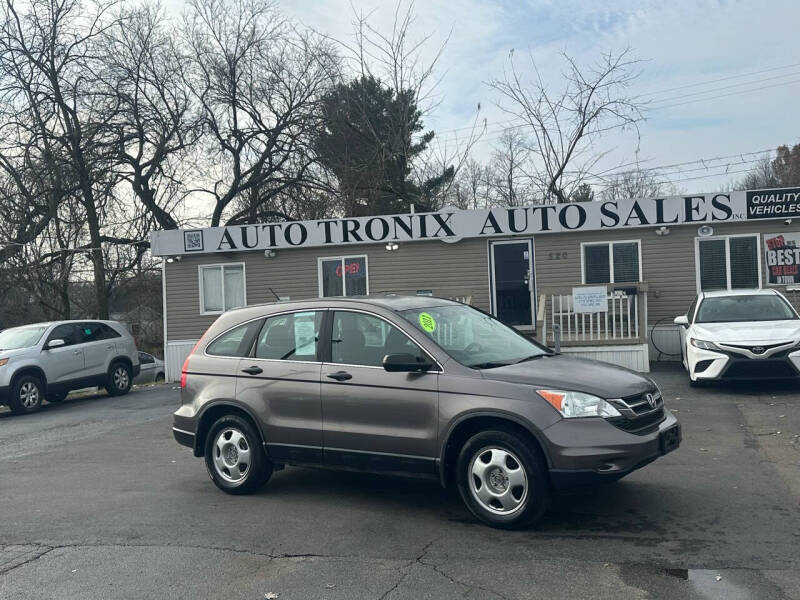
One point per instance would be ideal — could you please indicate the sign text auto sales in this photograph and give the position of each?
(454, 224)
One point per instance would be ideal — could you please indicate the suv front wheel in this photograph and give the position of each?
(235, 458)
(501, 480)
(26, 394)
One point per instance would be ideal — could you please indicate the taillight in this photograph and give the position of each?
(185, 366)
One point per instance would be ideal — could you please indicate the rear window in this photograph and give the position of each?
(236, 342)
(734, 309)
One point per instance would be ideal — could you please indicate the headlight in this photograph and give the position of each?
(703, 345)
(578, 404)
(3, 361)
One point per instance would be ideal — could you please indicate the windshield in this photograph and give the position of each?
(473, 338)
(732, 309)
(21, 337)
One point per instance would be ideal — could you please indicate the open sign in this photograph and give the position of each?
(353, 268)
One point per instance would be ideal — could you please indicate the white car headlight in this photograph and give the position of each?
(578, 404)
(703, 345)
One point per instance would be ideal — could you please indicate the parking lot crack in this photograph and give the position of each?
(24, 558)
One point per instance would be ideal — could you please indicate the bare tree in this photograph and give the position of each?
(142, 83)
(509, 170)
(563, 123)
(257, 82)
(635, 183)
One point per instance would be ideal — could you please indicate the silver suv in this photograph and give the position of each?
(48, 360)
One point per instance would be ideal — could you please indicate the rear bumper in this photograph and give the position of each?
(592, 451)
(184, 438)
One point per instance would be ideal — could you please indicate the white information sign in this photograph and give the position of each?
(590, 299)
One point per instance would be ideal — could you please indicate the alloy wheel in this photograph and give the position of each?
(497, 480)
(121, 378)
(232, 455)
(29, 395)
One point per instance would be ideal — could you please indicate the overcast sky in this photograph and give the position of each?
(751, 46)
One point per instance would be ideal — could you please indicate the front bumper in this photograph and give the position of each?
(591, 451)
(712, 365)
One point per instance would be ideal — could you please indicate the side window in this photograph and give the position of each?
(95, 332)
(236, 342)
(292, 336)
(361, 339)
(66, 332)
(145, 358)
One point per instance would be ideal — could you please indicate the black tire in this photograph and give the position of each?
(120, 379)
(56, 397)
(159, 378)
(27, 394)
(518, 455)
(225, 469)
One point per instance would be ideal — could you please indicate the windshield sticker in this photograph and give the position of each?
(427, 322)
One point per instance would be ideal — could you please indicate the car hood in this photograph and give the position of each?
(562, 372)
(16, 352)
(756, 332)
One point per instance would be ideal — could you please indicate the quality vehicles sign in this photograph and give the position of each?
(451, 225)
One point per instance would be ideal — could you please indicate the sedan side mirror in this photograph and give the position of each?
(55, 343)
(683, 320)
(405, 363)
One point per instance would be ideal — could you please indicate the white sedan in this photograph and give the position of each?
(740, 335)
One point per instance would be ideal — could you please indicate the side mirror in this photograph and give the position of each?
(405, 363)
(55, 343)
(683, 320)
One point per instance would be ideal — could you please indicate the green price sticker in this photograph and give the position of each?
(427, 322)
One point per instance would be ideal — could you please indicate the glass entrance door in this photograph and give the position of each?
(513, 299)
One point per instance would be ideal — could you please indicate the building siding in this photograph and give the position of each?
(448, 270)
(456, 270)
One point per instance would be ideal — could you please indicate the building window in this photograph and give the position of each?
(222, 288)
(343, 276)
(611, 262)
(728, 263)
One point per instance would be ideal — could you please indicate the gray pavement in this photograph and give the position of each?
(99, 502)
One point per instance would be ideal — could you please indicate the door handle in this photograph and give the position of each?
(340, 376)
(253, 370)
(78, 352)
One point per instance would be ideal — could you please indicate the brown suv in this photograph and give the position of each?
(413, 385)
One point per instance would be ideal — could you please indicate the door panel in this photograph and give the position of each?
(373, 419)
(98, 349)
(512, 282)
(282, 382)
(66, 362)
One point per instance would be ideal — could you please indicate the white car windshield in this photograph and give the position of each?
(21, 337)
(735, 309)
(473, 338)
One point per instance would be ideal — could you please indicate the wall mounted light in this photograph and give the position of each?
(705, 230)
(663, 230)
(172, 259)
(392, 246)
(269, 253)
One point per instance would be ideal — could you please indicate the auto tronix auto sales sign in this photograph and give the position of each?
(452, 225)
(783, 257)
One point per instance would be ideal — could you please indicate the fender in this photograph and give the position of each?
(497, 414)
(235, 404)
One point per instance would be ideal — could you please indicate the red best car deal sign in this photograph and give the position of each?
(783, 257)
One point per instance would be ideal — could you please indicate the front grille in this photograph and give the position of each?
(640, 425)
(638, 415)
(759, 369)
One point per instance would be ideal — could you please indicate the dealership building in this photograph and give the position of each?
(605, 279)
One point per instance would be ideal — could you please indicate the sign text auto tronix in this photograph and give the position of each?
(451, 225)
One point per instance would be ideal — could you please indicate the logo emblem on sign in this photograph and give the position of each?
(651, 400)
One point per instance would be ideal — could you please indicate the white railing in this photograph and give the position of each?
(622, 322)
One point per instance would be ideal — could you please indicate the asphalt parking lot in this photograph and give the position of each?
(98, 501)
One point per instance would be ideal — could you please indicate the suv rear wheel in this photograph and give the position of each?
(235, 457)
(26, 394)
(501, 480)
(119, 379)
